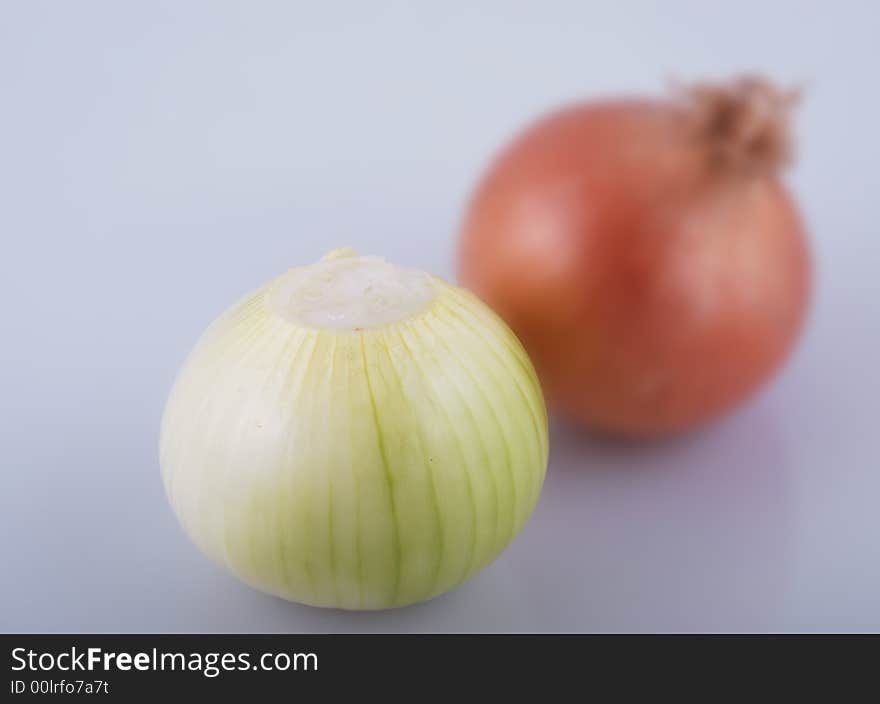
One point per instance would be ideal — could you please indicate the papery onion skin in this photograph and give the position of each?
(356, 469)
(646, 253)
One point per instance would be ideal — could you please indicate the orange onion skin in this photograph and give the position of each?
(652, 290)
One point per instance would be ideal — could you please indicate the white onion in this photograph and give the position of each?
(355, 435)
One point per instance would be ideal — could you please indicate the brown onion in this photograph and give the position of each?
(646, 253)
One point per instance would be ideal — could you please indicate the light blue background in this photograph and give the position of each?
(158, 159)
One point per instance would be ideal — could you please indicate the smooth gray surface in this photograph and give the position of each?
(159, 159)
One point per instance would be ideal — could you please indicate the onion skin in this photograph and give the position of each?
(656, 281)
(361, 469)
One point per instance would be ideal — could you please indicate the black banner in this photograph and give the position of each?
(129, 667)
